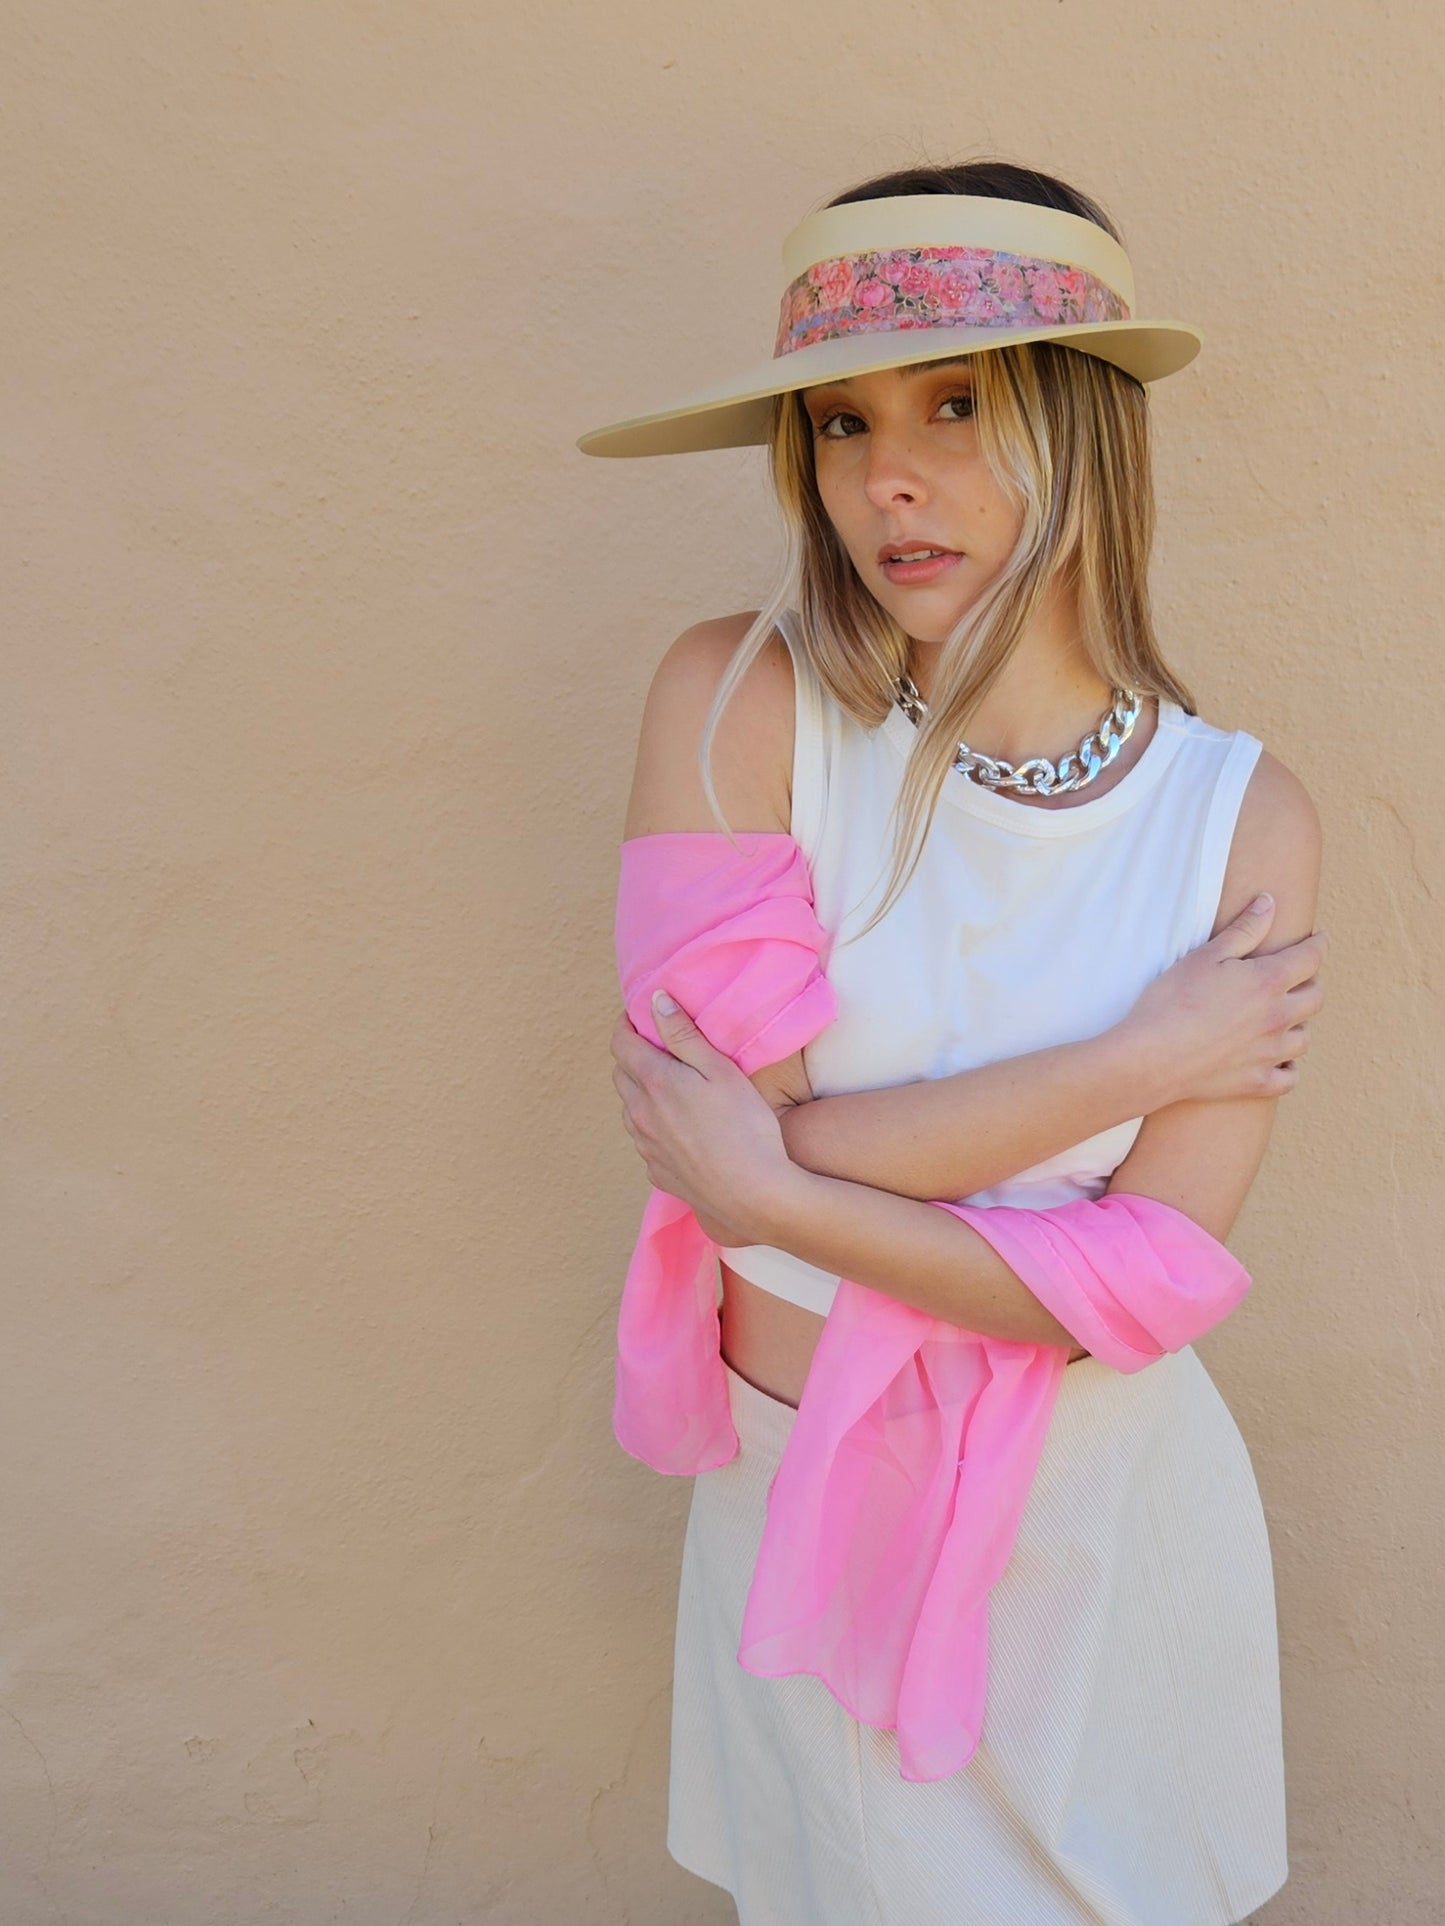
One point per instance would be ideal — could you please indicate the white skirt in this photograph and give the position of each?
(1130, 1770)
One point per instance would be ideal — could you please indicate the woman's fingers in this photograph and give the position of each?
(631, 1079)
(1304, 959)
(626, 1045)
(1299, 1006)
(630, 1089)
(1308, 999)
(641, 1059)
(623, 1082)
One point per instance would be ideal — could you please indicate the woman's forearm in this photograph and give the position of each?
(951, 1136)
(908, 1250)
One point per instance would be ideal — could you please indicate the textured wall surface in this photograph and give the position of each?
(326, 1595)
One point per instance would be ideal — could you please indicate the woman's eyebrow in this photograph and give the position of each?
(914, 368)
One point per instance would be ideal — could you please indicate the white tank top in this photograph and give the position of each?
(1021, 927)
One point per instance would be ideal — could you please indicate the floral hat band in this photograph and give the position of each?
(918, 287)
(915, 277)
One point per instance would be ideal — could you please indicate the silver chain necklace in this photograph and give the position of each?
(1038, 776)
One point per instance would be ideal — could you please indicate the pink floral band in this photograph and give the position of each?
(925, 287)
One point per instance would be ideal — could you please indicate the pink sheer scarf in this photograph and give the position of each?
(898, 1498)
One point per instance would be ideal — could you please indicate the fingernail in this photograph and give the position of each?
(1262, 902)
(663, 1002)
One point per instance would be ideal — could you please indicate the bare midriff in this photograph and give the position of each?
(765, 1339)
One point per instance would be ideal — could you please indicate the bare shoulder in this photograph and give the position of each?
(752, 750)
(1278, 846)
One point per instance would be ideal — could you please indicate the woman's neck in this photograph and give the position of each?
(1047, 696)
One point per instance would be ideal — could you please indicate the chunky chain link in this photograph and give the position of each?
(1038, 776)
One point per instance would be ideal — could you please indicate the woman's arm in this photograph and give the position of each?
(1199, 1157)
(951, 1136)
(1202, 1157)
(946, 1137)
(1207, 1028)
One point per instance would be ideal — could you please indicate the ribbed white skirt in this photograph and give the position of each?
(1130, 1770)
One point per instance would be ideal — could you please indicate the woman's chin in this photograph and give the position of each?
(926, 625)
(927, 612)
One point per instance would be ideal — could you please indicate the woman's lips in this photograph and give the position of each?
(912, 574)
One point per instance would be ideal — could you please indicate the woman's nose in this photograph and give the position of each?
(894, 474)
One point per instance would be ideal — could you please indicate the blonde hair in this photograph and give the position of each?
(1066, 436)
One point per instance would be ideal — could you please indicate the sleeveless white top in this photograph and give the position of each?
(1020, 927)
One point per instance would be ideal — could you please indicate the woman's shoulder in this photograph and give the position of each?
(752, 749)
(1275, 802)
(706, 649)
(1278, 846)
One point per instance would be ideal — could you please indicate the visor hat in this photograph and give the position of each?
(916, 277)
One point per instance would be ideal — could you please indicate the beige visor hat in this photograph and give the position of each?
(884, 283)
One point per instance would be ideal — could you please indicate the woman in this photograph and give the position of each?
(1064, 989)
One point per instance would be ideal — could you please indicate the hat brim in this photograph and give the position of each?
(737, 414)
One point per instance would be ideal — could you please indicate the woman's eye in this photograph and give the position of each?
(824, 429)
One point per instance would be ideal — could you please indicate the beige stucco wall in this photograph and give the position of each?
(326, 1595)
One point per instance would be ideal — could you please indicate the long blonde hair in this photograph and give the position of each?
(1066, 436)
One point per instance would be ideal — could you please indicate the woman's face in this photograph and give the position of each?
(899, 469)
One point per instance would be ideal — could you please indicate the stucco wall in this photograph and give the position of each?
(326, 1595)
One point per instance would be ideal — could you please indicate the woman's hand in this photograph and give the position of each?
(705, 1134)
(1228, 1024)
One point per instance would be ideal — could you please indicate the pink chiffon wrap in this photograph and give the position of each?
(899, 1494)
